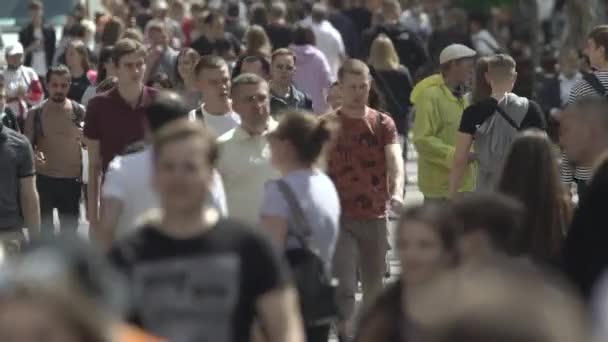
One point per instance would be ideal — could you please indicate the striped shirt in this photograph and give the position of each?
(569, 172)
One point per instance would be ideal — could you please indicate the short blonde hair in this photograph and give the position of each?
(354, 67)
(382, 55)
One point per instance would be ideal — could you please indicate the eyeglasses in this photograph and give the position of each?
(285, 67)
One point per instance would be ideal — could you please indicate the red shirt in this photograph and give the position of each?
(357, 164)
(114, 123)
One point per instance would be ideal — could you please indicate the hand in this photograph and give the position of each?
(35, 45)
(40, 158)
(155, 52)
(472, 157)
(396, 204)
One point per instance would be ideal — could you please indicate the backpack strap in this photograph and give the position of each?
(508, 118)
(79, 113)
(302, 227)
(595, 83)
(37, 124)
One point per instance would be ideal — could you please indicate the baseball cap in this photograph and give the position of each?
(160, 5)
(455, 51)
(14, 49)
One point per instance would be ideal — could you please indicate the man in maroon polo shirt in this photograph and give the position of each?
(116, 119)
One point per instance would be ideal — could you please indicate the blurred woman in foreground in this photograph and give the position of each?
(427, 244)
(530, 175)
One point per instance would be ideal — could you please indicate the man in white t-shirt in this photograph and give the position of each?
(127, 192)
(213, 80)
(328, 39)
(244, 152)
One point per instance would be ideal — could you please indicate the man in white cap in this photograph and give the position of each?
(439, 102)
(18, 80)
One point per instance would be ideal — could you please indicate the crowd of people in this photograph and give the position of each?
(238, 165)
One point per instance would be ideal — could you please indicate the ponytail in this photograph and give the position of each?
(307, 133)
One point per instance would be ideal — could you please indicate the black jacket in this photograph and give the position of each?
(26, 37)
(296, 100)
(585, 256)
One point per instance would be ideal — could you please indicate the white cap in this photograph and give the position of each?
(455, 51)
(160, 5)
(14, 49)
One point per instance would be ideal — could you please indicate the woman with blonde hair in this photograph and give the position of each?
(393, 82)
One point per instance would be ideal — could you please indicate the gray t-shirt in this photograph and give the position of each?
(319, 200)
(16, 162)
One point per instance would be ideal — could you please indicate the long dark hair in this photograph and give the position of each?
(185, 52)
(83, 52)
(105, 56)
(530, 175)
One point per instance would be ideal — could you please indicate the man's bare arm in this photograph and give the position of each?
(94, 181)
(110, 211)
(30, 204)
(279, 316)
(396, 172)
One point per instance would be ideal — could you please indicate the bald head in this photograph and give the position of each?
(584, 129)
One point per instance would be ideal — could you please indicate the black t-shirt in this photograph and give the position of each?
(78, 87)
(477, 113)
(202, 288)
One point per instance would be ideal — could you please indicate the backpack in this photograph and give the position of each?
(316, 288)
(78, 119)
(494, 136)
(408, 46)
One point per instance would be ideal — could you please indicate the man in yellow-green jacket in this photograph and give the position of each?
(439, 102)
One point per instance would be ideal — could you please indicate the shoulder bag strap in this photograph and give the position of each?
(37, 131)
(595, 83)
(508, 118)
(302, 229)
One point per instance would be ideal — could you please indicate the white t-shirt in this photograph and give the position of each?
(129, 179)
(39, 56)
(329, 41)
(218, 124)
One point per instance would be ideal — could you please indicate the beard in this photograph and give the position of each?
(58, 98)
